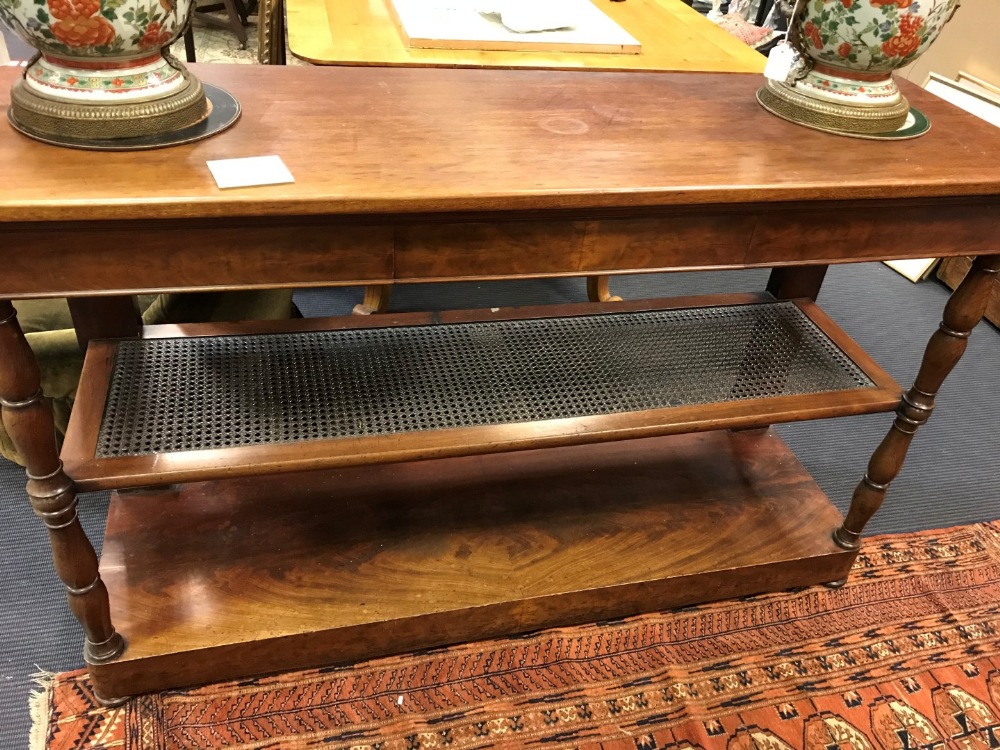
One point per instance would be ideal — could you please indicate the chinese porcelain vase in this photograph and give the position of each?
(102, 72)
(849, 49)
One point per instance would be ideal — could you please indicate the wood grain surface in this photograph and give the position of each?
(362, 32)
(366, 562)
(405, 141)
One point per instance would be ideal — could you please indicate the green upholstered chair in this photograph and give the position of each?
(49, 329)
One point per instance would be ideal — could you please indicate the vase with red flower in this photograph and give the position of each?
(102, 71)
(848, 50)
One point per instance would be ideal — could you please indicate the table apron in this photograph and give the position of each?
(67, 260)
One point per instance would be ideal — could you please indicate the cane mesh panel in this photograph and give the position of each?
(187, 394)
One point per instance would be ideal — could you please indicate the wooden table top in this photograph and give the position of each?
(673, 36)
(403, 140)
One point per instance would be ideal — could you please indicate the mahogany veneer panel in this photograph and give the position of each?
(223, 255)
(91, 471)
(251, 575)
(873, 232)
(705, 239)
(488, 250)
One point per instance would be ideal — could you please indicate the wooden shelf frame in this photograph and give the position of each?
(121, 472)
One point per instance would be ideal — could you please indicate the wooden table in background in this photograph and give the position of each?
(408, 176)
(674, 37)
(952, 271)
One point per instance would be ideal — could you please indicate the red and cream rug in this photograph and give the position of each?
(907, 655)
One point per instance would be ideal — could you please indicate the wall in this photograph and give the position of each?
(970, 42)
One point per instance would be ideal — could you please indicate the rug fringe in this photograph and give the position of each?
(40, 706)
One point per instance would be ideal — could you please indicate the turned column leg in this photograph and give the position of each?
(376, 300)
(964, 310)
(598, 291)
(28, 419)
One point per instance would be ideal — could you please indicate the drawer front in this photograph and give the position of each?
(550, 248)
(121, 260)
(859, 233)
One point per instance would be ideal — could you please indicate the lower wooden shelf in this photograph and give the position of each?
(226, 579)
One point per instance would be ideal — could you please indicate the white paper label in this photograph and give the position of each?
(782, 63)
(250, 171)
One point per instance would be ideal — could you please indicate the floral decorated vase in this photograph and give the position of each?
(847, 51)
(102, 72)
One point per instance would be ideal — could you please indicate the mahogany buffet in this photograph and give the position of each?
(319, 491)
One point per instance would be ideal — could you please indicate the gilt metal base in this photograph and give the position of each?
(57, 121)
(223, 112)
(844, 119)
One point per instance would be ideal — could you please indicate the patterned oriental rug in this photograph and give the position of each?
(907, 655)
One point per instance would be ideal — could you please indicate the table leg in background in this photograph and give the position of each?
(796, 281)
(114, 317)
(376, 300)
(598, 291)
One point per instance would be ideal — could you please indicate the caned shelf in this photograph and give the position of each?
(209, 402)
